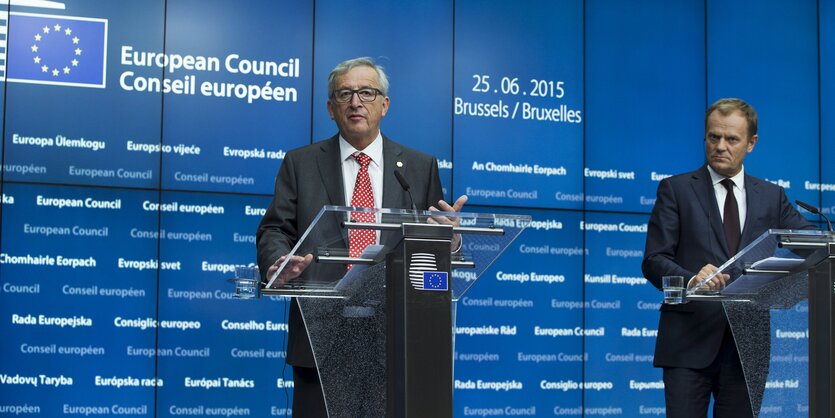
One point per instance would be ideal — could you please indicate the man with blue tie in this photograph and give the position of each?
(700, 220)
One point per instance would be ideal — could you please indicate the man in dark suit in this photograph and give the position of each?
(699, 221)
(332, 172)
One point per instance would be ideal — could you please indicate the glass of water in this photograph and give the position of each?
(246, 282)
(673, 289)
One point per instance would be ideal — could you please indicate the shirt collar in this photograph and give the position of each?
(738, 179)
(373, 150)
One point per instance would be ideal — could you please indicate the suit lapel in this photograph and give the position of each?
(753, 200)
(706, 196)
(393, 194)
(330, 170)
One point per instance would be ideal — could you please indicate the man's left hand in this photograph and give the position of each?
(448, 220)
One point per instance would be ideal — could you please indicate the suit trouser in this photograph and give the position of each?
(687, 392)
(308, 400)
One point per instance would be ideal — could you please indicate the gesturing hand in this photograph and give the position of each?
(449, 220)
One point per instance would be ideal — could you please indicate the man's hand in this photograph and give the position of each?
(445, 220)
(716, 283)
(292, 270)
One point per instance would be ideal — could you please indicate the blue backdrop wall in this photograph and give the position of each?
(141, 140)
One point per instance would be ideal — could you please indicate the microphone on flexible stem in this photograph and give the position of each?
(405, 185)
(814, 210)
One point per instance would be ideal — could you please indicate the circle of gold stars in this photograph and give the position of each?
(52, 30)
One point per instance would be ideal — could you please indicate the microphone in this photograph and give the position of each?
(405, 185)
(814, 210)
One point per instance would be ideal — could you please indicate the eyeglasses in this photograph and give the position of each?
(365, 95)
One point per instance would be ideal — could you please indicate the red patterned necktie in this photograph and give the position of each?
(363, 197)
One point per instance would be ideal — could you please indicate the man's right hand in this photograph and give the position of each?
(715, 283)
(292, 270)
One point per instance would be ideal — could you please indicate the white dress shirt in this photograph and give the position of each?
(739, 193)
(350, 168)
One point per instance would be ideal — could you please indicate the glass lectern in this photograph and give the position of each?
(765, 302)
(382, 330)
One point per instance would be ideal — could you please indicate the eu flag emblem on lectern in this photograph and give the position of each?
(62, 50)
(435, 280)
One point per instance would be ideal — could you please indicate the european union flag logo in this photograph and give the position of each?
(435, 280)
(63, 50)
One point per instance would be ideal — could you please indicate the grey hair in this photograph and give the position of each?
(345, 66)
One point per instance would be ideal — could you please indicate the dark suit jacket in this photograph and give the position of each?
(311, 177)
(684, 233)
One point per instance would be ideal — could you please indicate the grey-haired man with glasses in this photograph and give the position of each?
(355, 165)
